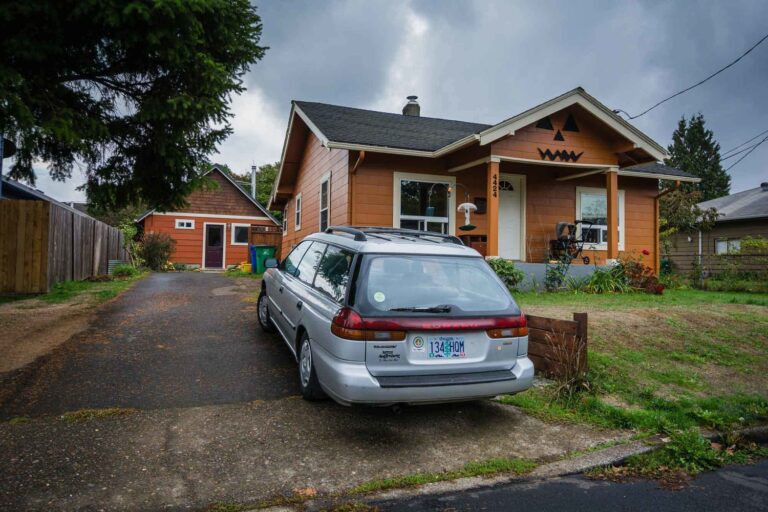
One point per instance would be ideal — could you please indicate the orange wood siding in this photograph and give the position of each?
(223, 200)
(598, 145)
(189, 242)
(316, 162)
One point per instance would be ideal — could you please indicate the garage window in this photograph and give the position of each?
(185, 224)
(240, 234)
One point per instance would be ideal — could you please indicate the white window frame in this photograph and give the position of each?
(297, 213)
(622, 228)
(232, 233)
(399, 177)
(732, 245)
(285, 220)
(325, 179)
(179, 221)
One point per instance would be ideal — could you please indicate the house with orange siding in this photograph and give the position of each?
(213, 230)
(569, 158)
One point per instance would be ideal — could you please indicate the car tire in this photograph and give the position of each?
(308, 383)
(265, 322)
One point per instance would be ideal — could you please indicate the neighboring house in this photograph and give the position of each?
(213, 230)
(740, 215)
(568, 158)
(44, 241)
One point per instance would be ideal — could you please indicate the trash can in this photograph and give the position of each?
(259, 254)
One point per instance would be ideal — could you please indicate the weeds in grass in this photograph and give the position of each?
(226, 507)
(484, 468)
(18, 420)
(90, 414)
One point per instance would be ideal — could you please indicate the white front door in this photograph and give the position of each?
(511, 217)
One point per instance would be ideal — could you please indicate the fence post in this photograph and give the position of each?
(581, 320)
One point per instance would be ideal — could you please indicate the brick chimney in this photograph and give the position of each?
(412, 108)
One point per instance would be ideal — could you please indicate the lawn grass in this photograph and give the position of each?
(98, 291)
(239, 273)
(662, 363)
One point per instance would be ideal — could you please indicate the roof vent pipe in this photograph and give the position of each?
(412, 108)
(764, 186)
(254, 172)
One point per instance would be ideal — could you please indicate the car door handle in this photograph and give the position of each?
(280, 289)
(299, 304)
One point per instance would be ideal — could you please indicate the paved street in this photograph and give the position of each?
(735, 488)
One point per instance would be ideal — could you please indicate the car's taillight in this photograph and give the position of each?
(509, 327)
(348, 324)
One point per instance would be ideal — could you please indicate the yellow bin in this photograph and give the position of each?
(245, 267)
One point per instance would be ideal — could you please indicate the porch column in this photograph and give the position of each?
(612, 191)
(492, 183)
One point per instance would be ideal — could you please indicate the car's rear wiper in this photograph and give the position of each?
(442, 308)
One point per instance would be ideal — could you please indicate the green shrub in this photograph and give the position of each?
(155, 249)
(507, 272)
(608, 280)
(124, 270)
(554, 276)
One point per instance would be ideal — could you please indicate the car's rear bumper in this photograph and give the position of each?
(350, 383)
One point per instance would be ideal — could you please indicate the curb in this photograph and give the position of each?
(568, 466)
(611, 455)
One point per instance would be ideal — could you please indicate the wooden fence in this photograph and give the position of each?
(267, 235)
(558, 348)
(43, 243)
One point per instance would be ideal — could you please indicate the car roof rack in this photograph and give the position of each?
(358, 234)
(411, 234)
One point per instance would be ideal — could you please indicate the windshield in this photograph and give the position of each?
(424, 285)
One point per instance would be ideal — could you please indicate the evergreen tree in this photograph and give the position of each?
(695, 151)
(138, 91)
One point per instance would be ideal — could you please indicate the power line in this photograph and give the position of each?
(739, 152)
(747, 154)
(743, 143)
(696, 84)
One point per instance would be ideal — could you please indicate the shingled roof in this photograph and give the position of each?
(660, 169)
(749, 204)
(372, 128)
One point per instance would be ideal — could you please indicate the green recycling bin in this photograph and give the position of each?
(260, 254)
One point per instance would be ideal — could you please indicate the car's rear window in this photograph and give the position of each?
(467, 285)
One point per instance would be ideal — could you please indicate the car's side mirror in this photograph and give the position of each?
(270, 263)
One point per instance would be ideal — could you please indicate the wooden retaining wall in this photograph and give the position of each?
(43, 243)
(558, 348)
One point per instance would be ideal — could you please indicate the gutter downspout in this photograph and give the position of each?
(656, 241)
(351, 188)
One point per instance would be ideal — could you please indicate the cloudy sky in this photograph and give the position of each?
(486, 60)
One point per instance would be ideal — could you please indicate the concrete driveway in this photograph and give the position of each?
(219, 418)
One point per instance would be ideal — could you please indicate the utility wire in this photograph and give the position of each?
(743, 143)
(696, 84)
(738, 152)
(746, 154)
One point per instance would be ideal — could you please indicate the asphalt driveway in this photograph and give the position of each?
(173, 340)
(218, 417)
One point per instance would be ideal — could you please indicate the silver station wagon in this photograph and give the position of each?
(385, 316)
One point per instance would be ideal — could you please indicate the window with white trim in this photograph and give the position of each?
(297, 214)
(185, 224)
(592, 207)
(727, 246)
(423, 202)
(239, 235)
(325, 201)
(285, 220)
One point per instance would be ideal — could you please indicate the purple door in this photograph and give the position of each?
(214, 246)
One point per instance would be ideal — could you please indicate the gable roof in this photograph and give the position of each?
(385, 129)
(215, 167)
(749, 204)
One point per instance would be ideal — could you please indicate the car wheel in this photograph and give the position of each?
(263, 313)
(310, 387)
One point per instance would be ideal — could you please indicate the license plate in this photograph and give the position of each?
(446, 347)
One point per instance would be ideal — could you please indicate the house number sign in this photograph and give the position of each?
(495, 185)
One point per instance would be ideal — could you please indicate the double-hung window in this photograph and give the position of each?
(424, 202)
(285, 220)
(297, 214)
(592, 210)
(325, 201)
